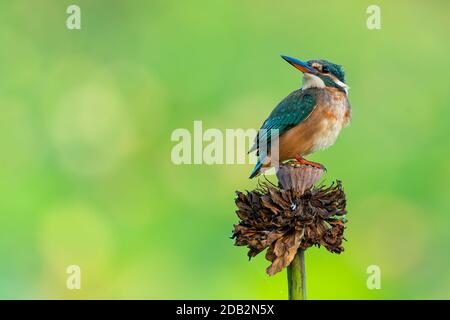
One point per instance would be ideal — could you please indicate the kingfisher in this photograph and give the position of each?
(307, 120)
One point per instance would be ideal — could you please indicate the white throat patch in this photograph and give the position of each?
(312, 81)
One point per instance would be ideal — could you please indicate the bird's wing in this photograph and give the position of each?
(291, 111)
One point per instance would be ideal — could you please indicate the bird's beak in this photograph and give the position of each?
(300, 65)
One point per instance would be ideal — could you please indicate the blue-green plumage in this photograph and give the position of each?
(291, 111)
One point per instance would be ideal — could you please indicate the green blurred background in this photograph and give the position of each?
(86, 118)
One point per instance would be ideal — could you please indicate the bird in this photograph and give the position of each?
(307, 120)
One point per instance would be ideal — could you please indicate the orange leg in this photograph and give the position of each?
(303, 161)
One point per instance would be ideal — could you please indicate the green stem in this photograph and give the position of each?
(297, 277)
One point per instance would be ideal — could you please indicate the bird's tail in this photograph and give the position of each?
(260, 167)
(256, 170)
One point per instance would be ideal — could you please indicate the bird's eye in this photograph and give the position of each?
(325, 69)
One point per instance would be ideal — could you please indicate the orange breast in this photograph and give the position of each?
(318, 131)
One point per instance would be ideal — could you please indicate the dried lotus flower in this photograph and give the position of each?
(286, 220)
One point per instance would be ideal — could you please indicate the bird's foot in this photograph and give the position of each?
(302, 161)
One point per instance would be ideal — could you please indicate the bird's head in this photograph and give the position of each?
(320, 73)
